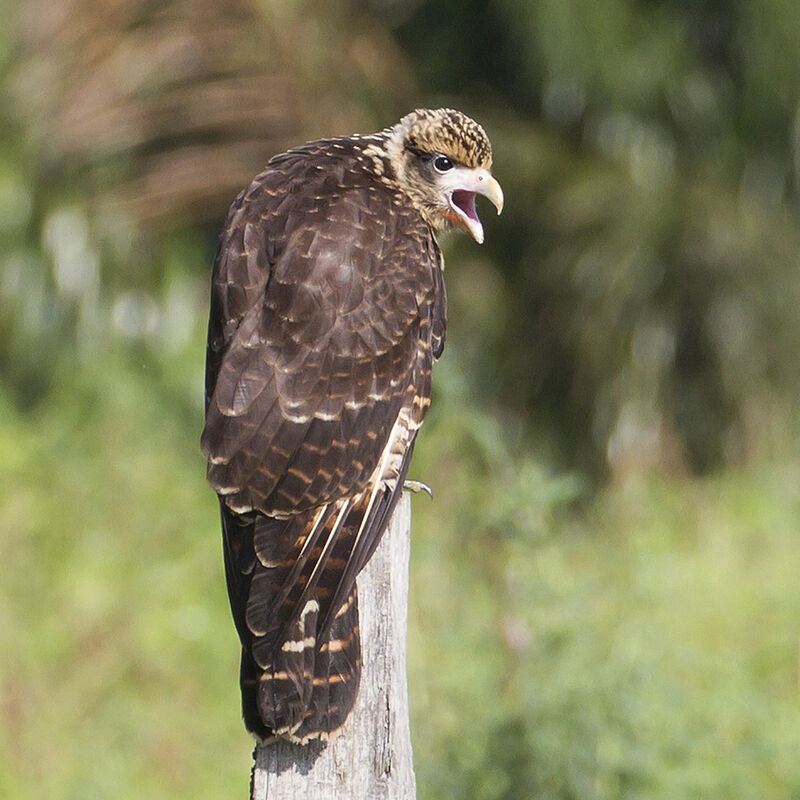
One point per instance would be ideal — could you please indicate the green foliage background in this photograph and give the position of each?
(605, 600)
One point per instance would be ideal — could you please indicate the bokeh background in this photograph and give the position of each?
(606, 590)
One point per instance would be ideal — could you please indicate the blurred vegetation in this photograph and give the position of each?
(604, 592)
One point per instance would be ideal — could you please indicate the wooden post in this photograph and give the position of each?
(370, 759)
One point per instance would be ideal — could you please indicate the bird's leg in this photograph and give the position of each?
(418, 486)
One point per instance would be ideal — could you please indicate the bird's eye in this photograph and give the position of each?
(442, 163)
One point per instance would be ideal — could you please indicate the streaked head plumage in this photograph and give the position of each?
(442, 158)
(449, 132)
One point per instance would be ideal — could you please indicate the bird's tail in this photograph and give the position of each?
(304, 694)
(295, 604)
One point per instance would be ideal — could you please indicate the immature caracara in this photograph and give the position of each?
(327, 311)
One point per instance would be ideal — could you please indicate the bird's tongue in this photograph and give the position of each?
(466, 203)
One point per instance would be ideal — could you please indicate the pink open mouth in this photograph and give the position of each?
(464, 201)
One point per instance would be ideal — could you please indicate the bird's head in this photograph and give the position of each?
(442, 159)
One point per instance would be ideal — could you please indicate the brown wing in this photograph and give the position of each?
(327, 307)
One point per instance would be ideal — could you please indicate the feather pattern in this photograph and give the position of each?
(327, 310)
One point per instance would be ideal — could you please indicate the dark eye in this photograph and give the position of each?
(442, 163)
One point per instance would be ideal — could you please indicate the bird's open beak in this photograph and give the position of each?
(465, 184)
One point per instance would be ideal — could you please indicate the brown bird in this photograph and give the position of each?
(328, 310)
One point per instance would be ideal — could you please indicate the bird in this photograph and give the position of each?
(327, 311)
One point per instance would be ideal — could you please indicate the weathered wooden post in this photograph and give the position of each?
(370, 759)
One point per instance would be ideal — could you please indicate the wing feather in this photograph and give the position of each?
(325, 312)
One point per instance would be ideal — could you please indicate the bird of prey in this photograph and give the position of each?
(328, 310)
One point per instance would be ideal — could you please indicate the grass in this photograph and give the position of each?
(644, 647)
(121, 674)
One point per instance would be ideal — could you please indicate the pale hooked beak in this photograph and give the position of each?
(462, 185)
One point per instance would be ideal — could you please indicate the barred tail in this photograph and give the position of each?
(301, 658)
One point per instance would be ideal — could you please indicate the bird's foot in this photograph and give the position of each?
(418, 486)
